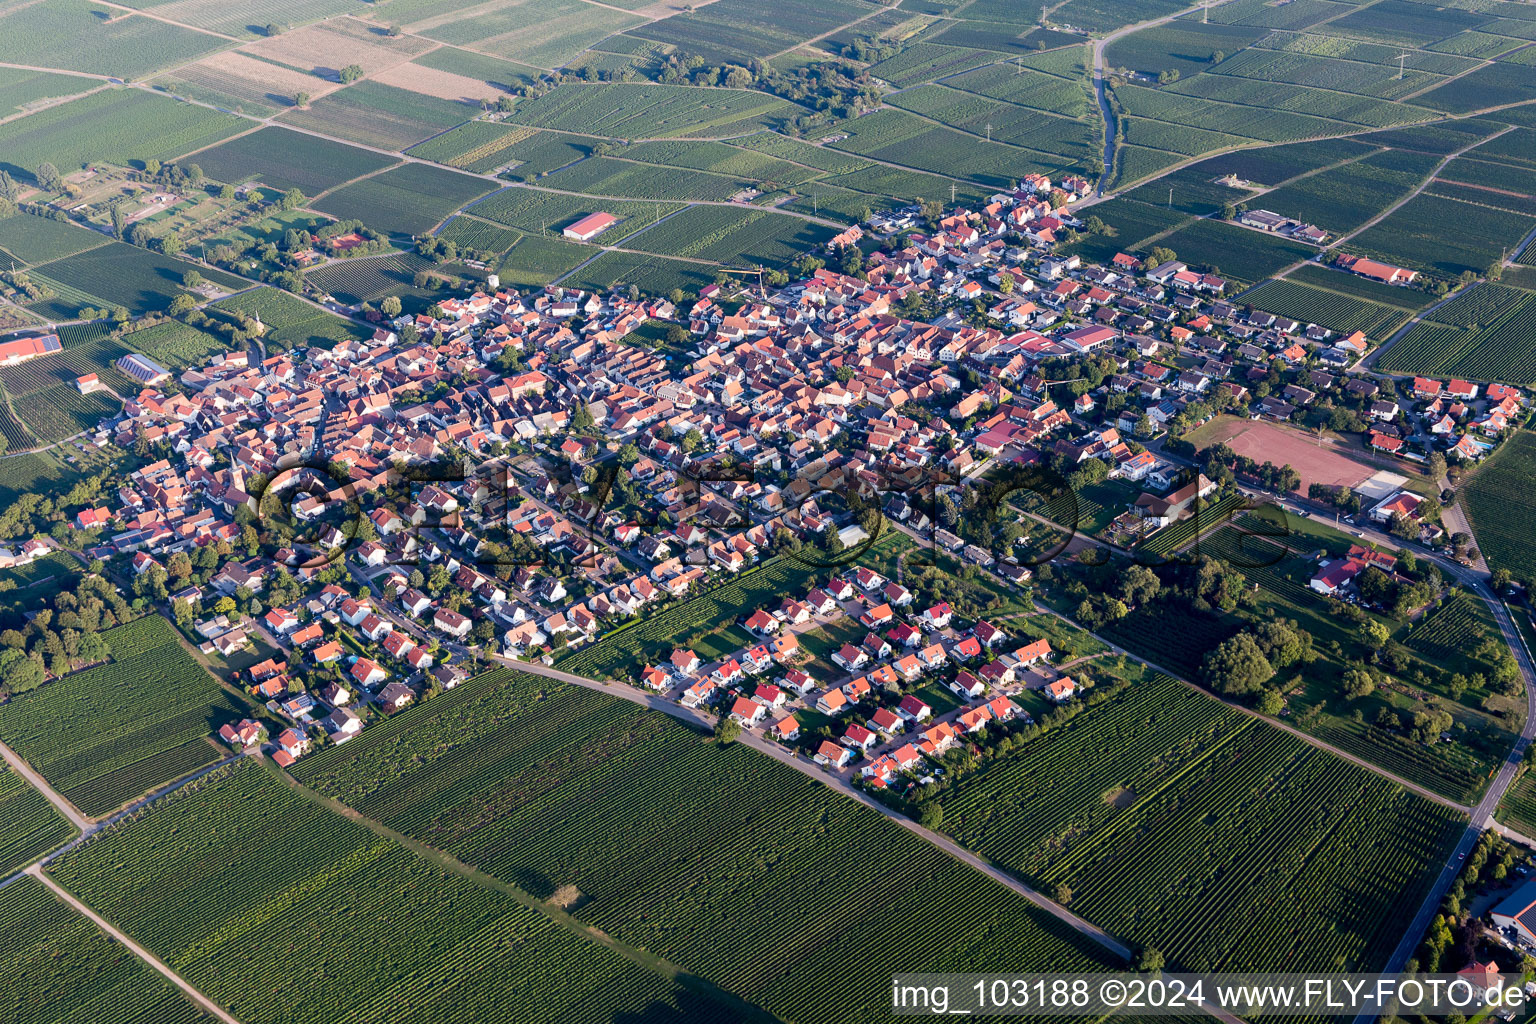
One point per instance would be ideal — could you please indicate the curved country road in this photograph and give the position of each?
(837, 782)
(784, 756)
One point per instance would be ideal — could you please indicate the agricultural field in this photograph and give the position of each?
(538, 259)
(283, 160)
(1038, 90)
(76, 35)
(1235, 253)
(56, 965)
(20, 90)
(720, 158)
(539, 33)
(470, 233)
(42, 472)
(493, 71)
(33, 240)
(653, 637)
(1342, 314)
(245, 19)
(291, 322)
(29, 825)
(1345, 283)
(1194, 190)
(899, 137)
(104, 735)
(1162, 769)
(117, 126)
(1484, 334)
(1169, 638)
(534, 211)
(234, 81)
(119, 274)
(926, 62)
(642, 111)
(1184, 46)
(386, 932)
(1442, 236)
(653, 275)
(736, 237)
(175, 345)
(1514, 147)
(479, 146)
(1499, 500)
(795, 151)
(1492, 85)
(740, 828)
(1073, 141)
(93, 356)
(371, 278)
(1343, 198)
(379, 115)
(1131, 225)
(52, 414)
(606, 176)
(738, 30)
(404, 201)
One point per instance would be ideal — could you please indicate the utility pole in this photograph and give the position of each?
(1400, 58)
(1205, 13)
(989, 131)
(951, 193)
(1170, 199)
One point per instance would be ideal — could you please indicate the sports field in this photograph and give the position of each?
(1318, 461)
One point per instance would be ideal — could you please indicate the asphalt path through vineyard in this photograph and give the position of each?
(36, 871)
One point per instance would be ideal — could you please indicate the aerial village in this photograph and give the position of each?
(607, 479)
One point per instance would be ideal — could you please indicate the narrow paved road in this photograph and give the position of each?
(36, 871)
(26, 771)
(837, 782)
(1099, 92)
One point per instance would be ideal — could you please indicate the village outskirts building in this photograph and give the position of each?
(590, 226)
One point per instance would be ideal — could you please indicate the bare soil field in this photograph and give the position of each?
(326, 48)
(1317, 460)
(255, 81)
(444, 85)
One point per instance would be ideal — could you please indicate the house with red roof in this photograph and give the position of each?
(968, 685)
(367, 672)
(914, 709)
(833, 702)
(1061, 690)
(787, 729)
(859, 738)
(1030, 653)
(747, 712)
(987, 633)
(833, 755)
